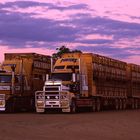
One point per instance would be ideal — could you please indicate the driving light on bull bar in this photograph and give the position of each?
(40, 103)
(56, 97)
(48, 97)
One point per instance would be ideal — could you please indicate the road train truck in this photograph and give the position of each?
(89, 80)
(21, 74)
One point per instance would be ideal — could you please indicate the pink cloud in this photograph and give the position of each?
(113, 9)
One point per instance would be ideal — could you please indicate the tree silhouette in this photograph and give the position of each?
(63, 49)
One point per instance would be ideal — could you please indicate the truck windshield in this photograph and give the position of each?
(62, 76)
(5, 78)
(8, 78)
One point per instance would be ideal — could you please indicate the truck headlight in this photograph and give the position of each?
(56, 97)
(48, 97)
(40, 103)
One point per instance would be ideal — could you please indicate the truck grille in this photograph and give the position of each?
(51, 88)
(52, 96)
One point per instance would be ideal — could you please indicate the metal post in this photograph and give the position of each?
(13, 78)
(13, 82)
(51, 64)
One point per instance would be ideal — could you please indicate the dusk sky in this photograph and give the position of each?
(106, 27)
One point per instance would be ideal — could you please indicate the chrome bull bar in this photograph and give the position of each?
(51, 99)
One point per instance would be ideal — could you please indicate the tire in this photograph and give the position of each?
(120, 104)
(133, 104)
(124, 104)
(32, 105)
(73, 107)
(117, 104)
(98, 105)
(93, 108)
(136, 104)
(10, 107)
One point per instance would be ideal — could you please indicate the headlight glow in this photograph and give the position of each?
(56, 97)
(48, 97)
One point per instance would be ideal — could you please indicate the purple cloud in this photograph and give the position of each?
(19, 29)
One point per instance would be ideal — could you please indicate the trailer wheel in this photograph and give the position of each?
(136, 104)
(98, 105)
(93, 108)
(10, 107)
(116, 104)
(120, 104)
(133, 104)
(124, 104)
(73, 107)
(32, 104)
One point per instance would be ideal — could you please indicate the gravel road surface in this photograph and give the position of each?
(106, 125)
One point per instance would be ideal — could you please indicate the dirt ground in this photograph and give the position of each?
(107, 125)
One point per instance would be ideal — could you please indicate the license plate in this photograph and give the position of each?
(52, 102)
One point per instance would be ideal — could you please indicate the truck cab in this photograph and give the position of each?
(62, 86)
(8, 83)
(21, 74)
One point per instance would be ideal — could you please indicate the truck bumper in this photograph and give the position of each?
(66, 109)
(40, 110)
(2, 108)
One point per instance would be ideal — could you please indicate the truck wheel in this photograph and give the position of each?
(32, 105)
(120, 104)
(10, 107)
(73, 107)
(98, 105)
(133, 104)
(93, 108)
(136, 104)
(116, 104)
(124, 104)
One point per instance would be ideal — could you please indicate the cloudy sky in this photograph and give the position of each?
(106, 27)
